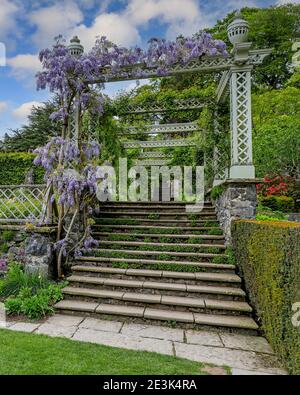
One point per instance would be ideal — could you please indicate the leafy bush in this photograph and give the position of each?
(29, 294)
(267, 214)
(279, 203)
(268, 254)
(17, 279)
(7, 235)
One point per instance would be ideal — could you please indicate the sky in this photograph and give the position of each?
(27, 26)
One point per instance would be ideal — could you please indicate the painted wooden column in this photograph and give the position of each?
(75, 49)
(240, 102)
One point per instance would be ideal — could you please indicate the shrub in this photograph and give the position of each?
(17, 279)
(267, 214)
(268, 254)
(7, 235)
(279, 203)
(29, 294)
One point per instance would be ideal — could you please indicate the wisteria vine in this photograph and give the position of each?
(71, 167)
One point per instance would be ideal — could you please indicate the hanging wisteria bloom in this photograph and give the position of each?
(70, 76)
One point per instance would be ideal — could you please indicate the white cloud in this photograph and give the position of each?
(3, 106)
(24, 66)
(21, 113)
(183, 17)
(8, 11)
(59, 18)
(115, 26)
(282, 2)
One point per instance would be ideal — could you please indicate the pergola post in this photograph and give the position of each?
(75, 49)
(241, 123)
(240, 102)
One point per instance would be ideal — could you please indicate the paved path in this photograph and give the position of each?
(244, 354)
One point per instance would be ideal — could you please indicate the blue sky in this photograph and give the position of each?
(27, 26)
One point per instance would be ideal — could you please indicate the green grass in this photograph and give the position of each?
(24, 354)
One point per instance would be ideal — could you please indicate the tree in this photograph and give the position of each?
(276, 121)
(36, 133)
(273, 27)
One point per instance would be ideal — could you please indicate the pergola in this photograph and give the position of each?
(235, 82)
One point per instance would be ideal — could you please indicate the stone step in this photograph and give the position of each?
(199, 265)
(161, 214)
(183, 227)
(157, 209)
(159, 245)
(176, 301)
(159, 235)
(214, 321)
(168, 253)
(154, 205)
(196, 276)
(171, 222)
(158, 228)
(157, 285)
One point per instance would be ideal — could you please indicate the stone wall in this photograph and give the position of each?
(32, 248)
(238, 200)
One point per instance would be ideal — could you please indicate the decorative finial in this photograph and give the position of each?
(75, 48)
(238, 29)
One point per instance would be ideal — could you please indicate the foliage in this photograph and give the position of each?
(273, 27)
(279, 203)
(29, 294)
(7, 235)
(17, 278)
(268, 254)
(36, 132)
(276, 123)
(217, 191)
(14, 168)
(267, 214)
(34, 305)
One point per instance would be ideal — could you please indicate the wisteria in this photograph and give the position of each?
(71, 76)
(73, 174)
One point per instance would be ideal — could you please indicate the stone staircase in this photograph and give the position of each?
(156, 263)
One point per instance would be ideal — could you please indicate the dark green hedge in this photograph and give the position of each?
(279, 203)
(268, 254)
(15, 166)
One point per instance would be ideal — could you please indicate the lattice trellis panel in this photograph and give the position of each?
(21, 203)
(73, 125)
(163, 128)
(159, 143)
(240, 92)
(151, 162)
(154, 154)
(221, 172)
(178, 105)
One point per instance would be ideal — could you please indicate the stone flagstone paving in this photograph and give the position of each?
(245, 355)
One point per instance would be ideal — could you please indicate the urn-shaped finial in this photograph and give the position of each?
(75, 48)
(238, 29)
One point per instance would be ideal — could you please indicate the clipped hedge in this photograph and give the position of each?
(15, 166)
(268, 254)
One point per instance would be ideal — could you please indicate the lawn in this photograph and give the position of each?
(26, 354)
